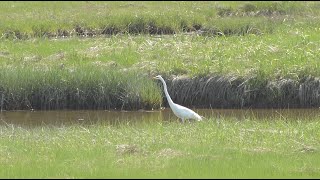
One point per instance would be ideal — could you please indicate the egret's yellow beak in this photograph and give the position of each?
(154, 78)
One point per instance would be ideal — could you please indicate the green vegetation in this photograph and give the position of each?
(46, 19)
(87, 88)
(220, 148)
(102, 55)
(257, 43)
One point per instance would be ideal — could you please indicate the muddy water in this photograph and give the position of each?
(67, 117)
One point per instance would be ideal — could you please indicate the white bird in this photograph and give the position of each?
(180, 111)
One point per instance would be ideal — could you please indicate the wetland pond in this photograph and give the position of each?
(89, 117)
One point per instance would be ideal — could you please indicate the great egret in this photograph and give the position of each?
(180, 111)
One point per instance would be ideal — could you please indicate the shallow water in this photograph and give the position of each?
(70, 117)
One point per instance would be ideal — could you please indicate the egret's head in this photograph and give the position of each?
(157, 77)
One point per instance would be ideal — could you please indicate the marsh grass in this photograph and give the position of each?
(78, 88)
(253, 51)
(277, 70)
(215, 148)
(266, 49)
(23, 20)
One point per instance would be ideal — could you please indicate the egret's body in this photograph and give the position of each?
(180, 111)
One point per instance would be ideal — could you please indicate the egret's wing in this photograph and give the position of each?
(185, 113)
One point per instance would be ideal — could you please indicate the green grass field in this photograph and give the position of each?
(102, 55)
(215, 148)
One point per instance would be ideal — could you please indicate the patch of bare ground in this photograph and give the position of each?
(4, 54)
(106, 64)
(258, 150)
(56, 56)
(127, 149)
(272, 131)
(168, 153)
(305, 148)
(307, 169)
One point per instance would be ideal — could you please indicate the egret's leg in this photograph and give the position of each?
(182, 120)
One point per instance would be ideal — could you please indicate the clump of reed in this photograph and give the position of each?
(87, 87)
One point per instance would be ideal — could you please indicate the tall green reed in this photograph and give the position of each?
(88, 87)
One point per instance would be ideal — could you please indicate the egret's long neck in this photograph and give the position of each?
(166, 92)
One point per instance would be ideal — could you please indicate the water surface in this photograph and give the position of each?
(71, 117)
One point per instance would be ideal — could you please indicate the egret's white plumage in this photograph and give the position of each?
(180, 111)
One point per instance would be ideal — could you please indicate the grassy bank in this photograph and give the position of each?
(220, 148)
(99, 73)
(253, 51)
